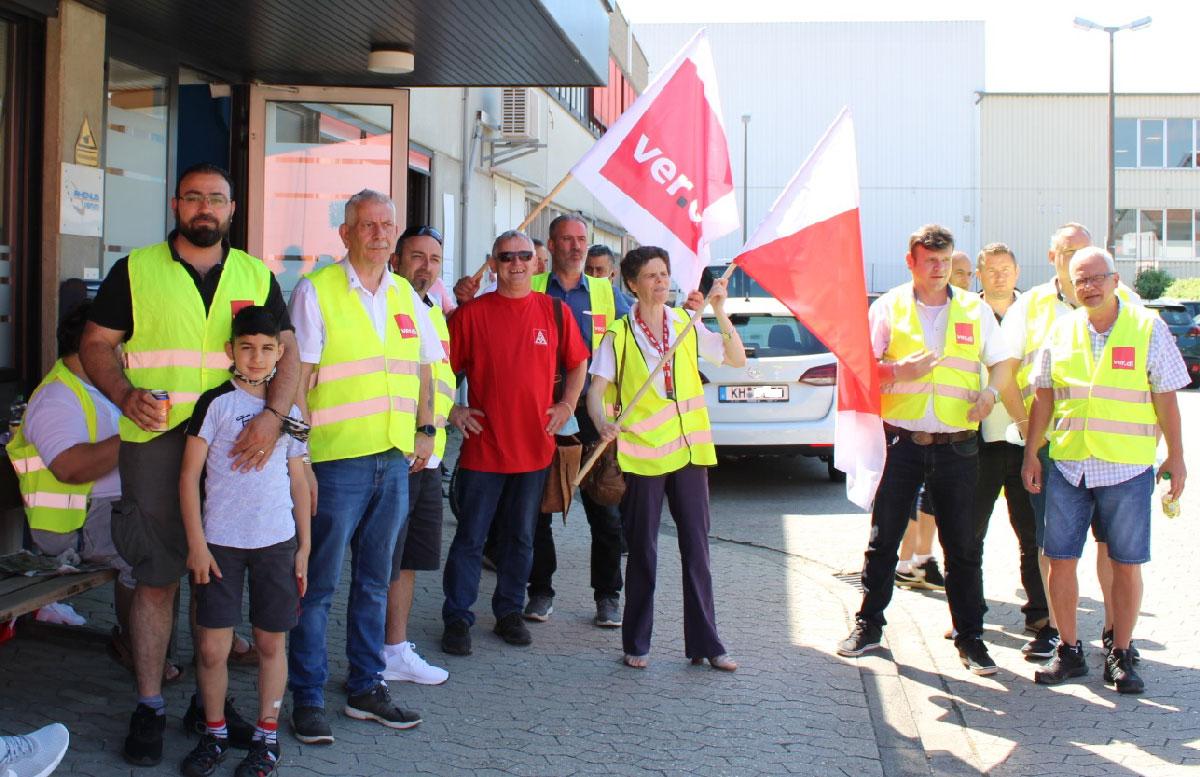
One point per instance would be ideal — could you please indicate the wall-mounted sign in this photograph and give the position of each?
(87, 150)
(81, 211)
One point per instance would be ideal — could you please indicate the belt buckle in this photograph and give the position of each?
(922, 438)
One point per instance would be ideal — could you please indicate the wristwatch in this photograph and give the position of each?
(429, 430)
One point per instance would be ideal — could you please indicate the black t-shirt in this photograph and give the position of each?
(113, 307)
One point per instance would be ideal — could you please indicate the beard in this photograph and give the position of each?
(203, 231)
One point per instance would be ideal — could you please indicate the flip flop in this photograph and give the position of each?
(247, 657)
(120, 653)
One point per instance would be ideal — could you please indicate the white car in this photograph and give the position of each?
(783, 400)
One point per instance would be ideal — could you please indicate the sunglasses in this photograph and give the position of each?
(507, 256)
(420, 231)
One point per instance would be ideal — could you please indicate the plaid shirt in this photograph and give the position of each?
(1166, 372)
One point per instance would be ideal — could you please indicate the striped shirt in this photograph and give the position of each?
(1164, 369)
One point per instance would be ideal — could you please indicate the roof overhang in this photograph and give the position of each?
(326, 43)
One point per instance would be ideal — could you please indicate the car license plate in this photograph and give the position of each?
(752, 393)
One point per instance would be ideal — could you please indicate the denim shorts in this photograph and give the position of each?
(1123, 512)
(1038, 501)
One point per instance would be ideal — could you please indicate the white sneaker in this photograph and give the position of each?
(407, 666)
(35, 754)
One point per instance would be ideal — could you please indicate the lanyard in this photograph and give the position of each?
(661, 348)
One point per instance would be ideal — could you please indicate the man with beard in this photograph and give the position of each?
(168, 307)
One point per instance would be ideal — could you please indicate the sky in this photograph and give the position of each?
(1030, 46)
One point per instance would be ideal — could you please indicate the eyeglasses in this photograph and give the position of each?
(419, 231)
(507, 256)
(1092, 280)
(214, 200)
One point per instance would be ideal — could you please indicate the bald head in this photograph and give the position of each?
(960, 270)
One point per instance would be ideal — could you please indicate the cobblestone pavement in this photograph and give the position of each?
(781, 535)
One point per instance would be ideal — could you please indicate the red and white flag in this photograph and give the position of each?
(663, 168)
(808, 254)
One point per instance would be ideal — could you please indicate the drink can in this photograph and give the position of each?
(164, 404)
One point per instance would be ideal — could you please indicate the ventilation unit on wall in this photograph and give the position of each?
(520, 113)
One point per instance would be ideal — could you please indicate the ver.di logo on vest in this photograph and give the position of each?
(407, 327)
(964, 334)
(1123, 357)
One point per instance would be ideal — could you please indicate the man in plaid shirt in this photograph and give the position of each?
(1106, 426)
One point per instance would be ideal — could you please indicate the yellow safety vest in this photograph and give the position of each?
(50, 504)
(444, 383)
(1103, 410)
(364, 396)
(1039, 320)
(954, 383)
(604, 307)
(660, 435)
(176, 346)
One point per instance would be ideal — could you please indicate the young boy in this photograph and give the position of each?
(256, 522)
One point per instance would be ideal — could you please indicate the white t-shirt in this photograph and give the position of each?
(711, 346)
(993, 427)
(993, 350)
(54, 422)
(242, 509)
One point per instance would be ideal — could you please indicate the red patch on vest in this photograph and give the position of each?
(599, 323)
(1123, 357)
(964, 334)
(407, 327)
(236, 305)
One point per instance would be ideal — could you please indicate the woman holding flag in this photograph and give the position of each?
(664, 444)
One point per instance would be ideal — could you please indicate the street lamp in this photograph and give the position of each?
(1088, 24)
(745, 170)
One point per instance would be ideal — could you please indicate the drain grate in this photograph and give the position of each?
(852, 579)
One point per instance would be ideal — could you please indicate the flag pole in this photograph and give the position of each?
(533, 214)
(587, 465)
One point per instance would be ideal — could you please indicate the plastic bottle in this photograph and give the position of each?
(1170, 507)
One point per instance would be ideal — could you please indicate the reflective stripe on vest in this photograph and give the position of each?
(1103, 409)
(660, 435)
(444, 383)
(176, 345)
(50, 504)
(600, 299)
(363, 399)
(954, 384)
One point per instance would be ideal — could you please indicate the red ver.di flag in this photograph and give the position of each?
(808, 253)
(663, 168)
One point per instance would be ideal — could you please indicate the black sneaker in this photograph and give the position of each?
(143, 746)
(974, 656)
(512, 629)
(1068, 662)
(376, 704)
(205, 757)
(456, 639)
(310, 726)
(864, 637)
(608, 612)
(539, 608)
(1118, 669)
(1043, 644)
(262, 760)
(241, 731)
(1106, 639)
(933, 579)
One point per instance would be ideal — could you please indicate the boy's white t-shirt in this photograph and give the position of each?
(242, 509)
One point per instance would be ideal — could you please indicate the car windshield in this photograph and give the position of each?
(1175, 316)
(766, 335)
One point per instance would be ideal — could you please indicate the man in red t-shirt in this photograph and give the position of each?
(508, 346)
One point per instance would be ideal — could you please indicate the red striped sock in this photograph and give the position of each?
(267, 731)
(217, 728)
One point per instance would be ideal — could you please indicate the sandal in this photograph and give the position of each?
(247, 657)
(121, 653)
(636, 662)
(722, 662)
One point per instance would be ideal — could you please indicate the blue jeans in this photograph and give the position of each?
(512, 500)
(362, 503)
(950, 473)
(1123, 512)
(1038, 501)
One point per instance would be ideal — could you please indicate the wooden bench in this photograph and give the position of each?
(21, 594)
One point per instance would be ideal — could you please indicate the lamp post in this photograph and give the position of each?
(745, 171)
(1111, 216)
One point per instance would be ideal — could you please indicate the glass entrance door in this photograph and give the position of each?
(311, 149)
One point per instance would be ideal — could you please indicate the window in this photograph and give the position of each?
(1125, 234)
(1125, 143)
(1180, 143)
(1154, 233)
(1150, 234)
(1179, 235)
(1151, 138)
(1172, 143)
(766, 335)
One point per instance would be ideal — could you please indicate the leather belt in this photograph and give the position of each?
(930, 438)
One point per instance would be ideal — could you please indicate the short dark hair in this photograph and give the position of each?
(70, 328)
(933, 237)
(204, 168)
(563, 219)
(992, 249)
(538, 242)
(254, 320)
(421, 230)
(601, 250)
(636, 259)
